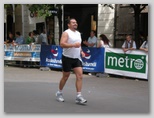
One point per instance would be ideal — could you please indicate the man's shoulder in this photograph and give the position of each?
(67, 30)
(94, 38)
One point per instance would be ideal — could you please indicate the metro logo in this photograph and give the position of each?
(126, 62)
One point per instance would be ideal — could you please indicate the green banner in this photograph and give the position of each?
(126, 62)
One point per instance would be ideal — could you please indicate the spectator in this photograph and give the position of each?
(19, 39)
(129, 44)
(144, 46)
(104, 42)
(43, 37)
(30, 38)
(36, 36)
(51, 39)
(141, 37)
(92, 40)
(10, 38)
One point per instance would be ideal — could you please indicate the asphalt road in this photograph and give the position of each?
(29, 90)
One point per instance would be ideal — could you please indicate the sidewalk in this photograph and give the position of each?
(29, 90)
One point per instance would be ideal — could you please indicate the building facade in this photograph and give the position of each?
(114, 22)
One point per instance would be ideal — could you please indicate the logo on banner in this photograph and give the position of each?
(87, 54)
(129, 62)
(54, 52)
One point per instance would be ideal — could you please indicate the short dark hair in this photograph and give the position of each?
(18, 33)
(129, 36)
(69, 20)
(93, 31)
(30, 33)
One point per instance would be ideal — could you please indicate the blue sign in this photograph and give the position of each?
(35, 54)
(9, 53)
(50, 56)
(93, 60)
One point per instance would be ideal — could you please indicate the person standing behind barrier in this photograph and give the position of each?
(51, 39)
(92, 40)
(129, 44)
(36, 36)
(30, 38)
(43, 37)
(71, 59)
(104, 42)
(10, 38)
(144, 46)
(19, 39)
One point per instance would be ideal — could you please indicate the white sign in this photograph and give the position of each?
(132, 63)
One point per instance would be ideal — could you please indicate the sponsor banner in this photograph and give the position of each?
(22, 48)
(22, 52)
(133, 63)
(93, 60)
(50, 56)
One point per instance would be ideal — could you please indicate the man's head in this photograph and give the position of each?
(10, 35)
(128, 37)
(17, 34)
(72, 24)
(92, 33)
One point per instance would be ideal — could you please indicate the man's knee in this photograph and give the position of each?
(66, 75)
(79, 76)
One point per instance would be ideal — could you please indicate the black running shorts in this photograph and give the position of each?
(69, 63)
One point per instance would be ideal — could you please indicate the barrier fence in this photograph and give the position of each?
(22, 52)
(109, 60)
(132, 64)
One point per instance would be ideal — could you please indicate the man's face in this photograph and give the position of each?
(10, 35)
(73, 24)
(92, 34)
(128, 38)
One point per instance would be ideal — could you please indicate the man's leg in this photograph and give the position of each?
(63, 80)
(78, 72)
(59, 94)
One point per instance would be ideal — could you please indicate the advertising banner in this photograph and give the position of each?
(132, 63)
(22, 52)
(50, 56)
(93, 60)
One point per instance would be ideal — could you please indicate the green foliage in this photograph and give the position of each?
(7, 6)
(10, 5)
(41, 9)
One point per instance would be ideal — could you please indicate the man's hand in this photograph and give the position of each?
(82, 54)
(125, 50)
(146, 50)
(77, 45)
(85, 42)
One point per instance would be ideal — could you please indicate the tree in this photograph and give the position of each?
(46, 10)
(137, 11)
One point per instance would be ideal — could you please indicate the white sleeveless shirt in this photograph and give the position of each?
(73, 37)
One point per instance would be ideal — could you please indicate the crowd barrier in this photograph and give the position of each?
(132, 63)
(22, 52)
(93, 61)
(109, 60)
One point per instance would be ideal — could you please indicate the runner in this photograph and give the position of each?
(71, 59)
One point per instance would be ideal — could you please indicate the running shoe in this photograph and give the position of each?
(80, 100)
(59, 97)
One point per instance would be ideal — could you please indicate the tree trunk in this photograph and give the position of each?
(137, 26)
(60, 22)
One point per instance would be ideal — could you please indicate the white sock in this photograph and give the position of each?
(78, 93)
(59, 91)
